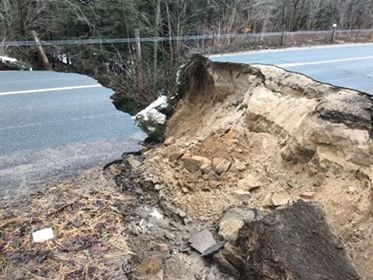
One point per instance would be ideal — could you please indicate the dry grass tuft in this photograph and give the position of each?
(87, 221)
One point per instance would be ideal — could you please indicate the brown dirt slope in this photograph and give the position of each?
(261, 136)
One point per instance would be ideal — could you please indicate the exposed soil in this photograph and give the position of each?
(260, 136)
(108, 224)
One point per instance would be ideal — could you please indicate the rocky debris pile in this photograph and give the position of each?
(164, 241)
(243, 243)
(292, 242)
(260, 137)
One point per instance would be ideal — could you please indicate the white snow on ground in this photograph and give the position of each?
(7, 59)
(64, 58)
(151, 112)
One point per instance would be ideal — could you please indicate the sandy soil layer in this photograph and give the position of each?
(261, 136)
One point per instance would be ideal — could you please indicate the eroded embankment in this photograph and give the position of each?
(261, 136)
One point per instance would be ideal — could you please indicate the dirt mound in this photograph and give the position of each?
(260, 136)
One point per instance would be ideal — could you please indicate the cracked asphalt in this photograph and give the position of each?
(348, 66)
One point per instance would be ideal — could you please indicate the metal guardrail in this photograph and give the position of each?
(101, 41)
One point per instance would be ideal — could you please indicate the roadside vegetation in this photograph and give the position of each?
(138, 82)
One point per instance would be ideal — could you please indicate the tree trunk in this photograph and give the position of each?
(155, 51)
(169, 32)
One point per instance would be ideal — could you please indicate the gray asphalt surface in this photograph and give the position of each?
(50, 130)
(349, 66)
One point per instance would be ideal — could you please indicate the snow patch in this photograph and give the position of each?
(64, 59)
(151, 120)
(151, 113)
(8, 59)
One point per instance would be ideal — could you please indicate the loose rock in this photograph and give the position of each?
(174, 157)
(169, 141)
(267, 201)
(162, 247)
(280, 198)
(308, 195)
(229, 229)
(233, 221)
(194, 163)
(202, 241)
(232, 255)
(239, 166)
(241, 194)
(134, 163)
(249, 183)
(221, 165)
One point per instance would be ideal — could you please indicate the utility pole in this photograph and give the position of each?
(283, 38)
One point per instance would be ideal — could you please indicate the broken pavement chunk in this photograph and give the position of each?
(299, 236)
(213, 249)
(42, 235)
(202, 240)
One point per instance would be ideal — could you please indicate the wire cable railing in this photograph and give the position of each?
(101, 41)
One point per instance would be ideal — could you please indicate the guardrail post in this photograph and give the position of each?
(333, 33)
(283, 38)
(138, 44)
(140, 80)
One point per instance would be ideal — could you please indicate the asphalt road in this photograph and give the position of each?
(53, 125)
(349, 66)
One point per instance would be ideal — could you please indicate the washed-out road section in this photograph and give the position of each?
(54, 125)
(349, 66)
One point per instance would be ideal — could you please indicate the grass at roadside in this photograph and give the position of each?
(86, 215)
